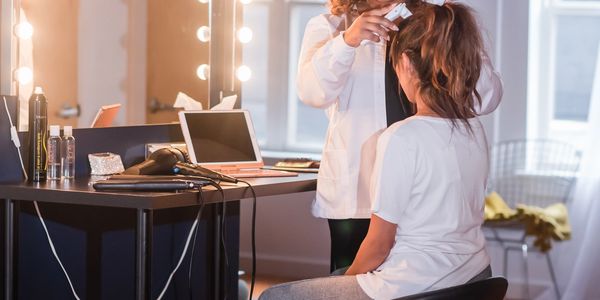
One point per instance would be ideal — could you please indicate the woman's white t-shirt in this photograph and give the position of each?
(429, 178)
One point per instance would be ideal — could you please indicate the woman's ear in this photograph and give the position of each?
(407, 65)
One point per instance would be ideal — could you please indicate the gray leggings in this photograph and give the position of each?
(330, 288)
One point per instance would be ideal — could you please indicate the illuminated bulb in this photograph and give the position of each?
(24, 75)
(203, 1)
(245, 1)
(24, 30)
(203, 71)
(244, 35)
(243, 73)
(203, 34)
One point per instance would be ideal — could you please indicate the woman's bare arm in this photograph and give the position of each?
(375, 247)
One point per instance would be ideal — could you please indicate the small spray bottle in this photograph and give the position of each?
(68, 153)
(53, 158)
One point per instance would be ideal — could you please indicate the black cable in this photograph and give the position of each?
(253, 273)
(223, 214)
(220, 189)
(216, 185)
(223, 242)
(195, 225)
(173, 253)
(201, 201)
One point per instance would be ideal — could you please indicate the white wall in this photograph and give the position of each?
(103, 26)
(513, 48)
(290, 242)
(505, 29)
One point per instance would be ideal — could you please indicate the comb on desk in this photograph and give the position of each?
(306, 165)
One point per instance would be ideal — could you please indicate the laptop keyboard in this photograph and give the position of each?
(242, 171)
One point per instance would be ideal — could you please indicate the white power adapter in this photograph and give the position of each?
(14, 137)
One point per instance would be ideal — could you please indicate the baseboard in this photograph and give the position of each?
(285, 266)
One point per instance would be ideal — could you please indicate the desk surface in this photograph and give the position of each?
(81, 192)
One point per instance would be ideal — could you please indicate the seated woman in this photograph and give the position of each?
(429, 173)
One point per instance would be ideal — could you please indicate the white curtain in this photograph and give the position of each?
(579, 259)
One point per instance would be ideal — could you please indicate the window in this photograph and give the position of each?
(563, 53)
(282, 122)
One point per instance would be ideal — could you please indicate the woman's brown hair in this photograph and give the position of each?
(340, 7)
(444, 45)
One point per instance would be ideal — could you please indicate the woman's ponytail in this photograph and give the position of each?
(444, 45)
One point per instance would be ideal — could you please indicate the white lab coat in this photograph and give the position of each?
(349, 84)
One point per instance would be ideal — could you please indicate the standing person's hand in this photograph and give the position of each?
(370, 25)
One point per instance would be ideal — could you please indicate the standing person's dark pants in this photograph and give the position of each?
(346, 237)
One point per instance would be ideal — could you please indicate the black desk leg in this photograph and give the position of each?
(9, 210)
(143, 247)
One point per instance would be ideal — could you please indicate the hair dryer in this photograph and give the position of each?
(160, 162)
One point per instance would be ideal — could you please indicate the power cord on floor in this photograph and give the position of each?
(37, 210)
(253, 273)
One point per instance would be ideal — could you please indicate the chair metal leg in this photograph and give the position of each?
(524, 249)
(505, 266)
(504, 248)
(556, 289)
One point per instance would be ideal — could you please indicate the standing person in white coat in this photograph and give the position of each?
(357, 86)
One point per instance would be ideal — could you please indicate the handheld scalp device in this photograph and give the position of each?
(398, 11)
(401, 10)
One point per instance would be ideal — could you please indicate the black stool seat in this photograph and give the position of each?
(493, 288)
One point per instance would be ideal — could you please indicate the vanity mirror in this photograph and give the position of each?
(139, 53)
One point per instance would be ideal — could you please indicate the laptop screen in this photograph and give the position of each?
(219, 137)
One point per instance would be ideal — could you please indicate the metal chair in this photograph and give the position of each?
(493, 288)
(530, 172)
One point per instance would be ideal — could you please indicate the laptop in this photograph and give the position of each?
(106, 115)
(224, 141)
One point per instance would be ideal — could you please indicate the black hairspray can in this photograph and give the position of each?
(38, 131)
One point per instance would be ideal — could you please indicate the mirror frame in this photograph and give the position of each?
(8, 46)
(224, 15)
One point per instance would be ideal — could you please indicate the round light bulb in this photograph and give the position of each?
(244, 35)
(24, 75)
(203, 34)
(203, 71)
(24, 30)
(245, 1)
(203, 1)
(243, 73)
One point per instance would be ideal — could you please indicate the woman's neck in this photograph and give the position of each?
(423, 109)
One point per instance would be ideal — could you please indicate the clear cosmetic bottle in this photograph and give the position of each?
(68, 153)
(53, 154)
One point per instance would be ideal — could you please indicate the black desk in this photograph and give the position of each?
(80, 192)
